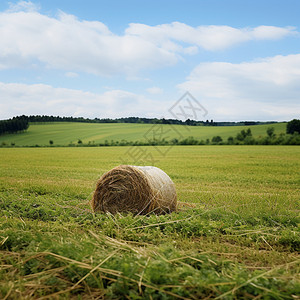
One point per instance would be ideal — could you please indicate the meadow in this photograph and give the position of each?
(69, 133)
(241, 240)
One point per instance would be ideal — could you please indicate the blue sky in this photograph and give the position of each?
(239, 59)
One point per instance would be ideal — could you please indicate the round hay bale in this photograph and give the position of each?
(135, 189)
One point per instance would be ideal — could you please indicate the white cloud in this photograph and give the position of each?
(210, 37)
(155, 90)
(71, 74)
(30, 38)
(19, 99)
(271, 32)
(73, 45)
(263, 89)
(23, 6)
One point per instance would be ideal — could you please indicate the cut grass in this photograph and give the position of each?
(240, 241)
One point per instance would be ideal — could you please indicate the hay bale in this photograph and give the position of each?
(135, 189)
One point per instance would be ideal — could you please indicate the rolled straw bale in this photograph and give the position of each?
(135, 189)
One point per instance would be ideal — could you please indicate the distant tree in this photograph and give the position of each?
(243, 134)
(189, 141)
(248, 132)
(16, 124)
(230, 140)
(270, 131)
(79, 142)
(293, 126)
(249, 140)
(216, 139)
(174, 141)
(51, 142)
(240, 136)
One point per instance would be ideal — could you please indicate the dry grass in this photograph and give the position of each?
(139, 190)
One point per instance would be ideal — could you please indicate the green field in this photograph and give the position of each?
(66, 133)
(241, 241)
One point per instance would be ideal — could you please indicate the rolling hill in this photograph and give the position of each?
(64, 133)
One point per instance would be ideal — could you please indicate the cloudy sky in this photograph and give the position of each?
(114, 58)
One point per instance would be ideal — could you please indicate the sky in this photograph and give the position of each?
(238, 60)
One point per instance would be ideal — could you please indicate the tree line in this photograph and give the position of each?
(13, 125)
(244, 137)
(292, 136)
(189, 122)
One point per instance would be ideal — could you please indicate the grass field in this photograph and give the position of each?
(242, 240)
(66, 133)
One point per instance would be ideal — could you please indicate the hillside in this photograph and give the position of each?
(62, 133)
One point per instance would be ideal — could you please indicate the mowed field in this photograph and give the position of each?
(66, 133)
(241, 240)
